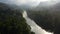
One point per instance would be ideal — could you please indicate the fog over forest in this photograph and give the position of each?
(43, 16)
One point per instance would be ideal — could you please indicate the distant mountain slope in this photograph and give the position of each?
(48, 18)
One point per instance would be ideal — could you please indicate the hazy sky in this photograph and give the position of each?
(28, 2)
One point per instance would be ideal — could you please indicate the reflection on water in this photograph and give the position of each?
(34, 27)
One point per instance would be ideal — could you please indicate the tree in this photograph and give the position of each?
(12, 21)
(50, 21)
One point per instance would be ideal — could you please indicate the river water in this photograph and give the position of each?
(34, 27)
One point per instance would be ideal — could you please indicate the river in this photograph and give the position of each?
(34, 27)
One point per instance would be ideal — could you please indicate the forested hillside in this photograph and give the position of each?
(48, 19)
(12, 21)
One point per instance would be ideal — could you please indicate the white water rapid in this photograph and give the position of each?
(34, 27)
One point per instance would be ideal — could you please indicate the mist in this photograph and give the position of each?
(36, 4)
(31, 3)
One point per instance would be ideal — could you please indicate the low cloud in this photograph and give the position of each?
(28, 2)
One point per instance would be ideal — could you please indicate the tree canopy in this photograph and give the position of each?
(12, 21)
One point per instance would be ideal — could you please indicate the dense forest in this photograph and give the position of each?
(47, 19)
(12, 21)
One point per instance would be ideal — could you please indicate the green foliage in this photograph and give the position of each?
(44, 19)
(32, 33)
(48, 20)
(12, 21)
